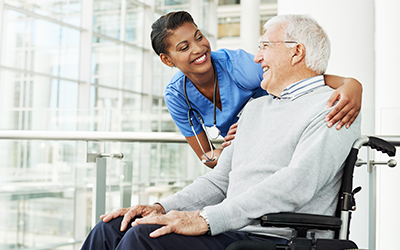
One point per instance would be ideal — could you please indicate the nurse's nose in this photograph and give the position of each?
(197, 48)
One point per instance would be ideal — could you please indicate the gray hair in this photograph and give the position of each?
(304, 29)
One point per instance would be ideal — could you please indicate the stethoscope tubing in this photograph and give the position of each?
(197, 114)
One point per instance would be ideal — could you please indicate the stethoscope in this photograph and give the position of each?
(213, 132)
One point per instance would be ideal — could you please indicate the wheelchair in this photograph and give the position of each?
(339, 223)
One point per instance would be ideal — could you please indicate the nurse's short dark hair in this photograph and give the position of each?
(161, 29)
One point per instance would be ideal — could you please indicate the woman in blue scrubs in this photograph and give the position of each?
(212, 88)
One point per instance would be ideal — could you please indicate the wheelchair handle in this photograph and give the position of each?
(373, 142)
(382, 145)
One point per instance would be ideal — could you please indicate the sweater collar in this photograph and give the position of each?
(302, 87)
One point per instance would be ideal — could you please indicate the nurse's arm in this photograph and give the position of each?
(204, 142)
(348, 93)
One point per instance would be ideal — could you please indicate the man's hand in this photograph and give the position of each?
(185, 223)
(230, 135)
(132, 212)
(349, 98)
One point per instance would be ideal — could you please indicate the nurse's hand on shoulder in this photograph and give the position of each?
(230, 135)
(349, 97)
(132, 212)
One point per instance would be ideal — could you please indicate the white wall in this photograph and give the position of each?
(363, 35)
(387, 113)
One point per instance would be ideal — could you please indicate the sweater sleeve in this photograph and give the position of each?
(209, 189)
(317, 160)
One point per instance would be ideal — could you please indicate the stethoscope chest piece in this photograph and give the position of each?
(213, 132)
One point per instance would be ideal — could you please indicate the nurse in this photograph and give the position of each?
(206, 96)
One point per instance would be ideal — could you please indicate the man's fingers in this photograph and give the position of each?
(109, 216)
(132, 213)
(106, 217)
(161, 231)
(158, 220)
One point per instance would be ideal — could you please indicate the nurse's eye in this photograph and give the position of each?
(183, 48)
(199, 38)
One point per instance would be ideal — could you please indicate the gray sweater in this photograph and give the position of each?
(284, 158)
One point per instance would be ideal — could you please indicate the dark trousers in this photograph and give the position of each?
(107, 236)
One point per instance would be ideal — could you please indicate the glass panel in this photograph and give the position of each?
(106, 5)
(206, 14)
(269, 1)
(108, 23)
(107, 18)
(45, 191)
(165, 6)
(228, 2)
(105, 98)
(263, 20)
(171, 2)
(162, 75)
(67, 11)
(40, 46)
(38, 192)
(134, 30)
(390, 118)
(229, 27)
(105, 64)
(133, 69)
(19, 91)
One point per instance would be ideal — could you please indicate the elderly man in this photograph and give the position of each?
(284, 158)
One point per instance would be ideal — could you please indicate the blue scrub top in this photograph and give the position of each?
(239, 80)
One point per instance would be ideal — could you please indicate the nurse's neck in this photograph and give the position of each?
(204, 80)
(204, 83)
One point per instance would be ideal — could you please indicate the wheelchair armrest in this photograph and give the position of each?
(301, 221)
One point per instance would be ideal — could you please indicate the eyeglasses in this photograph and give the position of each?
(263, 44)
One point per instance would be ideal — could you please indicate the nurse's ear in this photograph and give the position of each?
(166, 60)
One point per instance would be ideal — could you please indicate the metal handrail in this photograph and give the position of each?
(94, 136)
(91, 136)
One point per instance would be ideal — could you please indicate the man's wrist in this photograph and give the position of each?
(161, 208)
(204, 215)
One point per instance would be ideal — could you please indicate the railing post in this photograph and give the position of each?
(99, 183)
(126, 184)
(99, 190)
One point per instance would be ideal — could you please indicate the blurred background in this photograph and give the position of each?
(87, 65)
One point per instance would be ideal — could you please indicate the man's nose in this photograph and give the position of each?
(258, 57)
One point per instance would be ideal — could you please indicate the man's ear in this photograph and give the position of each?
(166, 60)
(299, 53)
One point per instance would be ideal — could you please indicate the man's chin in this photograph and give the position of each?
(264, 85)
